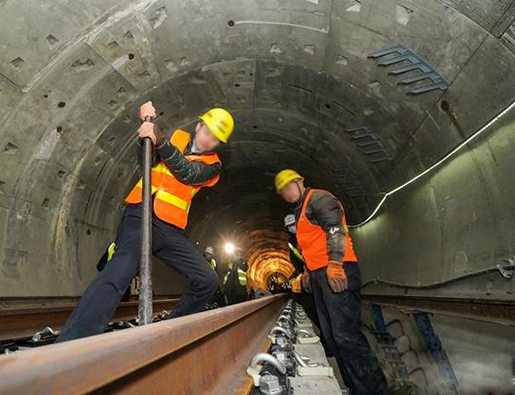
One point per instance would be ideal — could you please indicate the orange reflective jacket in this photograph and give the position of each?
(313, 240)
(173, 198)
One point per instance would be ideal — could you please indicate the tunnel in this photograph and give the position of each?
(404, 110)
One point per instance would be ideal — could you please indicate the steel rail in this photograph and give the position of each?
(18, 323)
(204, 353)
(495, 311)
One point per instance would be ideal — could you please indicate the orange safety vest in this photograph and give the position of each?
(173, 198)
(313, 240)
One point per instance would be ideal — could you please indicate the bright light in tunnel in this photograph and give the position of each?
(229, 248)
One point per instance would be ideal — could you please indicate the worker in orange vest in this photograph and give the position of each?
(182, 165)
(332, 274)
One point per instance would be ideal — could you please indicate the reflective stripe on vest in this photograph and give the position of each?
(212, 263)
(169, 198)
(313, 240)
(242, 277)
(172, 198)
(296, 251)
(140, 185)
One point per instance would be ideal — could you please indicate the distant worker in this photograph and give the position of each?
(181, 166)
(235, 282)
(209, 254)
(296, 258)
(108, 255)
(218, 297)
(333, 276)
(276, 284)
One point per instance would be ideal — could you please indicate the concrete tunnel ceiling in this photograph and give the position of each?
(297, 76)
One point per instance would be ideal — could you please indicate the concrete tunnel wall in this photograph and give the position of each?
(297, 76)
(457, 220)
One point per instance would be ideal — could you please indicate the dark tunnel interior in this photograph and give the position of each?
(309, 91)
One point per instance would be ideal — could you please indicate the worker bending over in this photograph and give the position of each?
(181, 166)
(296, 260)
(334, 278)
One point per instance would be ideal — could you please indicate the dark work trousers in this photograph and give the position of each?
(339, 315)
(99, 301)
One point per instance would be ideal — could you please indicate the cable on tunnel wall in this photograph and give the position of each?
(437, 164)
(505, 270)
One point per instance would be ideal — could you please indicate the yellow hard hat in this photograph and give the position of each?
(284, 177)
(220, 122)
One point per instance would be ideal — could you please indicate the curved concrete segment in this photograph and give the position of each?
(359, 96)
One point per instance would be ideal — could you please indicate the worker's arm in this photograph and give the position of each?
(193, 173)
(328, 214)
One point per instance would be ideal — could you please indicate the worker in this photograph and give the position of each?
(333, 275)
(181, 166)
(235, 282)
(209, 254)
(218, 299)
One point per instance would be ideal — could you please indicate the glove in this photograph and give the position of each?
(147, 110)
(336, 277)
(306, 282)
(148, 129)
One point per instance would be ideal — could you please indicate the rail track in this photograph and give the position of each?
(18, 323)
(204, 353)
(494, 311)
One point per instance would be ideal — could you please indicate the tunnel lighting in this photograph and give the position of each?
(229, 248)
(437, 164)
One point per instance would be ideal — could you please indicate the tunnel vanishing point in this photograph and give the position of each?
(402, 109)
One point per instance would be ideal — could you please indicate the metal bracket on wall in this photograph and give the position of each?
(379, 319)
(370, 144)
(425, 70)
(348, 179)
(387, 343)
(435, 348)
